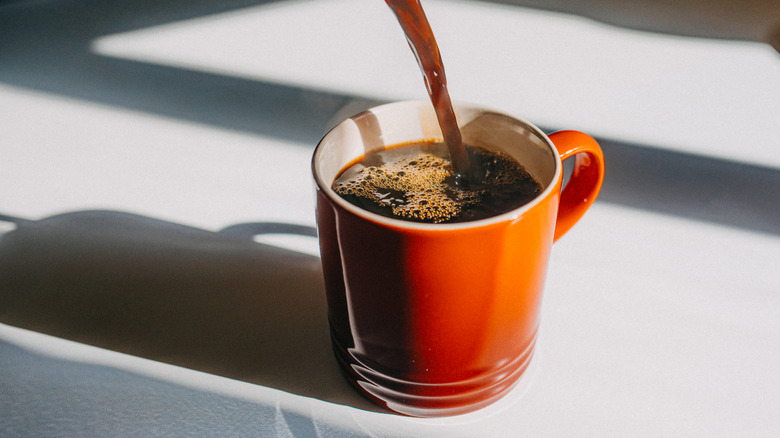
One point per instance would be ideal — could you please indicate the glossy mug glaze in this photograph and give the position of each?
(441, 319)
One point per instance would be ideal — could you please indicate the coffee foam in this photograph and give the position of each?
(413, 186)
(420, 185)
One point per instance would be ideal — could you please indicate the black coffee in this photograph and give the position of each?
(415, 182)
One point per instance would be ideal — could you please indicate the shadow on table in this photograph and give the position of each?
(49, 396)
(706, 189)
(214, 302)
(718, 19)
(47, 46)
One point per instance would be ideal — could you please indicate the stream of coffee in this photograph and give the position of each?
(419, 34)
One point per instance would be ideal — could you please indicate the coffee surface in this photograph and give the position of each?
(416, 183)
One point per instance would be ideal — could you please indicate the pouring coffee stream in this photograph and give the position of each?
(419, 34)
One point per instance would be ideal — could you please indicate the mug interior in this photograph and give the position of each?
(404, 122)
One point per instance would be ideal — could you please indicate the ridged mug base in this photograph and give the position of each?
(419, 399)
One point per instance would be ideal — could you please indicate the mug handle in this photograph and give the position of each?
(585, 180)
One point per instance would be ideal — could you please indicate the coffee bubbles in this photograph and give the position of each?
(416, 183)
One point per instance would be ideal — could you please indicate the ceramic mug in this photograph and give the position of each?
(441, 319)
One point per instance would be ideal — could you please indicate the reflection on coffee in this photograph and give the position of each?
(415, 182)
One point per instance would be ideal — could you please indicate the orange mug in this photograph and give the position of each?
(441, 319)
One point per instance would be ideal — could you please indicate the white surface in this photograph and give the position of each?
(653, 325)
(711, 97)
(63, 154)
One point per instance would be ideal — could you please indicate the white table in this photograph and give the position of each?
(143, 145)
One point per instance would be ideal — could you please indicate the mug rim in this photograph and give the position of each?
(510, 215)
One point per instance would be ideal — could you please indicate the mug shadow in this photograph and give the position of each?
(217, 302)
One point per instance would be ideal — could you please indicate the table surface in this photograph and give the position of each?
(158, 274)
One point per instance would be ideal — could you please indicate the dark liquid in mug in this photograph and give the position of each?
(415, 182)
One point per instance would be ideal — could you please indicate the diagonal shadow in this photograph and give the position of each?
(83, 20)
(45, 46)
(214, 302)
(35, 386)
(691, 186)
(714, 19)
